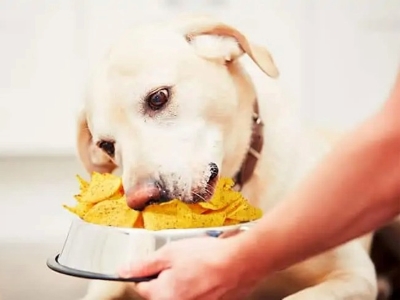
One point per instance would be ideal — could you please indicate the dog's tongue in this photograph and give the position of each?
(140, 195)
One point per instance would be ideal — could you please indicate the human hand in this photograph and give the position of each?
(196, 268)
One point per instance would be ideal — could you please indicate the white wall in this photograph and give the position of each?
(353, 54)
(336, 57)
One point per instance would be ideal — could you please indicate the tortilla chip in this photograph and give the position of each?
(101, 188)
(80, 209)
(245, 212)
(112, 213)
(186, 218)
(83, 184)
(223, 195)
(102, 201)
(197, 208)
(215, 219)
(177, 215)
(139, 222)
(160, 216)
(229, 222)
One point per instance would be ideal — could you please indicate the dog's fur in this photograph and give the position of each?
(208, 120)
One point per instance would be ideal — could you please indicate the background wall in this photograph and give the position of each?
(337, 60)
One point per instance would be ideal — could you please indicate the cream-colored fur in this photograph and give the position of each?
(209, 120)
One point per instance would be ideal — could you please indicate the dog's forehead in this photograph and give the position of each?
(139, 62)
(110, 90)
(148, 46)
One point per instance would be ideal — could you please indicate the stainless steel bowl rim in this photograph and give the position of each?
(98, 251)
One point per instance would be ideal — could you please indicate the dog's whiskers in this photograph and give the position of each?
(208, 192)
(198, 195)
(209, 189)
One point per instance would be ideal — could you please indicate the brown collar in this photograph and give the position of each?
(254, 151)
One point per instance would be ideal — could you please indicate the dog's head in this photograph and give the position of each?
(164, 105)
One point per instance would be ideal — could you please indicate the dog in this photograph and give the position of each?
(174, 105)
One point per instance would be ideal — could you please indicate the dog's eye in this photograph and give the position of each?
(108, 147)
(158, 99)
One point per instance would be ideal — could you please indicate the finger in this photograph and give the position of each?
(160, 289)
(222, 234)
(230, 233)
(152, 265)
(144, 289)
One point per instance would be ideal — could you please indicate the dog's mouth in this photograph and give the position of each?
(195, 196)
(153, 192)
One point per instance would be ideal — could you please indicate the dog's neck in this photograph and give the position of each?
(254, 150)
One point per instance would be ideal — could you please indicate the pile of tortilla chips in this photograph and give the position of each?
(102, 201)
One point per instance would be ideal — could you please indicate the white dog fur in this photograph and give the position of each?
(208, 120)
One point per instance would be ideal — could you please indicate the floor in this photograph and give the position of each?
(35, 226)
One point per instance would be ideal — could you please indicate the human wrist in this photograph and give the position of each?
(247, 258)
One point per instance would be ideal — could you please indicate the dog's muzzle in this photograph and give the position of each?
(150, 191)
(144, 193)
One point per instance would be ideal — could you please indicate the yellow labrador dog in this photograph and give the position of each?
(172, 106)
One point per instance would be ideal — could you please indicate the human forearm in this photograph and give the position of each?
(355, 190)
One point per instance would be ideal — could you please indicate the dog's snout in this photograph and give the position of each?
(213, 171)
(144, 193)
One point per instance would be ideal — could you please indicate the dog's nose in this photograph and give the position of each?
(143, 193)
(213, 171)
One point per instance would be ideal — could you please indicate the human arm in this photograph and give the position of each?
(354, 190)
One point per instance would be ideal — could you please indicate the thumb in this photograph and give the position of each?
(154, 264)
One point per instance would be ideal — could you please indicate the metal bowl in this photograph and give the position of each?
(98, 252)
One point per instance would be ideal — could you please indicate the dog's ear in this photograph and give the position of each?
(93, 158)
(228, 50)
